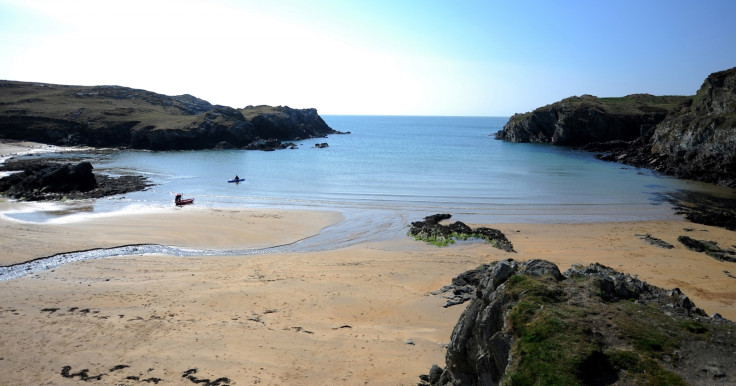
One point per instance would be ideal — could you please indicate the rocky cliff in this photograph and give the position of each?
(685, 137)
(528, 323)
(113, 116)
(580, 120)
(699, 141)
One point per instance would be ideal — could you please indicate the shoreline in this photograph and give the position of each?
(360, 313)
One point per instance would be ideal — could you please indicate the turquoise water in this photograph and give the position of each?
(413, 166)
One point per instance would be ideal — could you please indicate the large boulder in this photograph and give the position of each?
(34, 180)
(528, 323)
(51, 178)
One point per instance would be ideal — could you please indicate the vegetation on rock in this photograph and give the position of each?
(529, 324)
(431, 231)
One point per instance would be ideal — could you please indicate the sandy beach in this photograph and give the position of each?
(357, 315)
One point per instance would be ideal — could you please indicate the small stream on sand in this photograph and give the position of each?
(357, 227)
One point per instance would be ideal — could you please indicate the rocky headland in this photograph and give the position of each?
(122, 117)
(692, 137)
(528, 323)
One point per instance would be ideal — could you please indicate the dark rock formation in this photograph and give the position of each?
(703, 208)
(685, 137)
(51, 181)
(527, 323)
(113, 116)
(270, 144)
(696, 142)
(285, 123)
(581, 120)
(432, 231)
(710, 248)
(50, 178)
(655, 241)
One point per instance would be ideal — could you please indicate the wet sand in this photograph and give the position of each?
(359, 315)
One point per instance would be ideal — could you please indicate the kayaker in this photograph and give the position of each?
(236, 177)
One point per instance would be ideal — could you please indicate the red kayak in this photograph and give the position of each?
(179, 201)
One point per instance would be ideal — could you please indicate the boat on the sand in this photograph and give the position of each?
(182, 201)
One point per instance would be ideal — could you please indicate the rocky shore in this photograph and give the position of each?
(528, 323)
(686, 137)
(36, 180)
(122, 117)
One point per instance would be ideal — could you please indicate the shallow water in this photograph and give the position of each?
(413, 166)
(388, 172)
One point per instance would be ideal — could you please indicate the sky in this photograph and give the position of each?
(376, 57)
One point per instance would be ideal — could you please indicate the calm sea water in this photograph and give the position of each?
(411, 166)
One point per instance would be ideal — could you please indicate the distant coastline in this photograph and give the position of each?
(122, 117)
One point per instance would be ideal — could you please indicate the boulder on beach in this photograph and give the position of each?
(528, 323)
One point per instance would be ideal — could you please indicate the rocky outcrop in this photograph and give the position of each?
(269, 145)
(52, 181)
(432, 231)
(113, 116)
(697, 142)
(285, 123)
(528, 323)
(686, 137)
(581, 120)
(51, 178)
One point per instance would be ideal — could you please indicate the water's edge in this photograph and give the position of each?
(352, 230)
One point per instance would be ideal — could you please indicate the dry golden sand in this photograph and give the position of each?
(360, 315)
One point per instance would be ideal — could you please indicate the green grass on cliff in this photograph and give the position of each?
(250, 112)
(561, 342)
(630, 105)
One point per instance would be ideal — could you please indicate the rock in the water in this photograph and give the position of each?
(50, 178)
(52, 181)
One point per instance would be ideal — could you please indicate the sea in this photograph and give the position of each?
(403, 166)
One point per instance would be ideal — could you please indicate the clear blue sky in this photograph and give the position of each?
(424, 57)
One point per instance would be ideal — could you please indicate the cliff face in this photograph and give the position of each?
(528, 323)
(285, 123)
(113, 116)
(685, 137)
(700, 141)
(577, 121)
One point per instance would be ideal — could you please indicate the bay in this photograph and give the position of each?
(408, 166)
